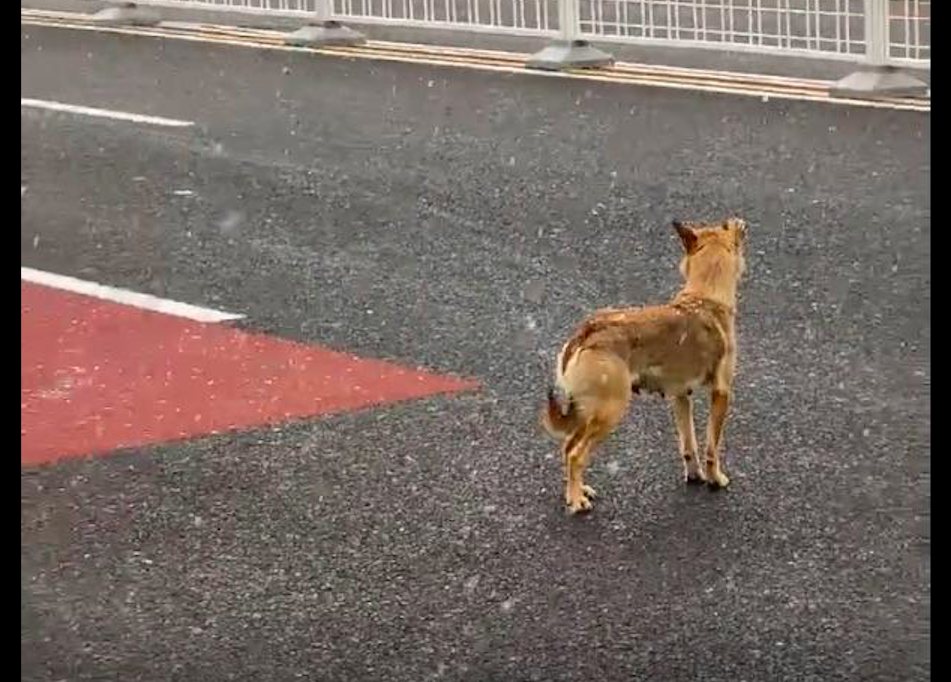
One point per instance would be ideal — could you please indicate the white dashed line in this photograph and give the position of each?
(125, 297)
(104, 113)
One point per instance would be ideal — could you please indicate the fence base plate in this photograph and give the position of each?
(324, 33)
(569, 54)
(880, 82)
(126, 14)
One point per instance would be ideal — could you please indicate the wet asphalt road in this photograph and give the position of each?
(462, 221)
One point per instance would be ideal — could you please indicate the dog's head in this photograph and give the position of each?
(729, 235)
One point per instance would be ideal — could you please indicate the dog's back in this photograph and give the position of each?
(668, 349)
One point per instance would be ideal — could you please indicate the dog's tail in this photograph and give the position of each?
(559, 424)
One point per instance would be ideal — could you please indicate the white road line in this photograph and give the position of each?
(104, 113)
(125, 297)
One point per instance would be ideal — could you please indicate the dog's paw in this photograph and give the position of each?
(589, 492)
(693, 474)
(579, 503)
(718, 480)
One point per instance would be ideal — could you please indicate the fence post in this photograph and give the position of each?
(876, 33)
(323, 30)
(876, 78)
(568, 51)
(568, 20)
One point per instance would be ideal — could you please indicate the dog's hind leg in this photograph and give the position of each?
(600, 386)
(579, 448)
(682, 408)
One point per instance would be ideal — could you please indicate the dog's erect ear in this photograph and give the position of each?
(687, 236)
(740, 227)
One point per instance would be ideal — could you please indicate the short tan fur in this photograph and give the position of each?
(671, 349)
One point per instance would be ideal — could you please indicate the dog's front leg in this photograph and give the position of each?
(682, 408)
(719, 406)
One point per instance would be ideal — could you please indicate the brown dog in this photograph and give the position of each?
(668, 349)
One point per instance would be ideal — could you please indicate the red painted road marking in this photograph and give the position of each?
(96, 376)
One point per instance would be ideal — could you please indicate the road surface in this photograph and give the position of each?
(461, 222)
